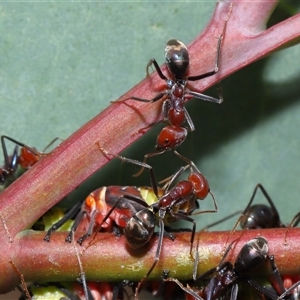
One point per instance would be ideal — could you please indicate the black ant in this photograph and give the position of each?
(225, 277)
(176, 94)
(10, 163)
(260, 215)
(263, 216)
(27, 158)
(255, 216)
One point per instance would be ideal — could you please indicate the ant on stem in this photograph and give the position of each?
(178, 202)
(223, 279)
(176, 94)
(27, 158)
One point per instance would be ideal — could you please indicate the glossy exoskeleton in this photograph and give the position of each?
(178, 202)
(224, 279)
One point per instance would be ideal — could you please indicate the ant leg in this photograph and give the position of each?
(135, 162)
(234, 292)
(293, 223)
(9, 163)
(188, 161)
(70, 214)
(69, 295)
(275, 273)
(189, 120)
(157, 68)
(186, 289)
(242, 219)
(75, 226)
(154, 99)
(161, 287)
(289, 290)
(217, 61)
(221, 220)
(33, 150)
(170, 180)
(206, 97)
(145, 160)
(87, 291)
(158, 251)
(90, 228)
(51, 143)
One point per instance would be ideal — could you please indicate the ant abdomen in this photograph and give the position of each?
(177, 58)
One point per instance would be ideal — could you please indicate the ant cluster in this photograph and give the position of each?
(135, 211)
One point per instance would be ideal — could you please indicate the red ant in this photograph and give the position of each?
(225, 277)
(126, 207)
(27, 158)
(109, 206)
(177, 203)
(176, 94)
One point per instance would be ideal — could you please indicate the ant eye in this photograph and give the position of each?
(167, 141)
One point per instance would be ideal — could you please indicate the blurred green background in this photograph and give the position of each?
(63, 62)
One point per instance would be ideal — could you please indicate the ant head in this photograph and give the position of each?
(177, 58)
(170, 138)
(140, 228)
(200, 184)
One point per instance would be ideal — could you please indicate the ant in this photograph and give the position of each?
(225, 276)
(97, 206)
(126, 207)
(260, 215)
(27, 158)
(176, 94)
(112, 203)
(178, 202)
(263, 216)
(255, 216)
